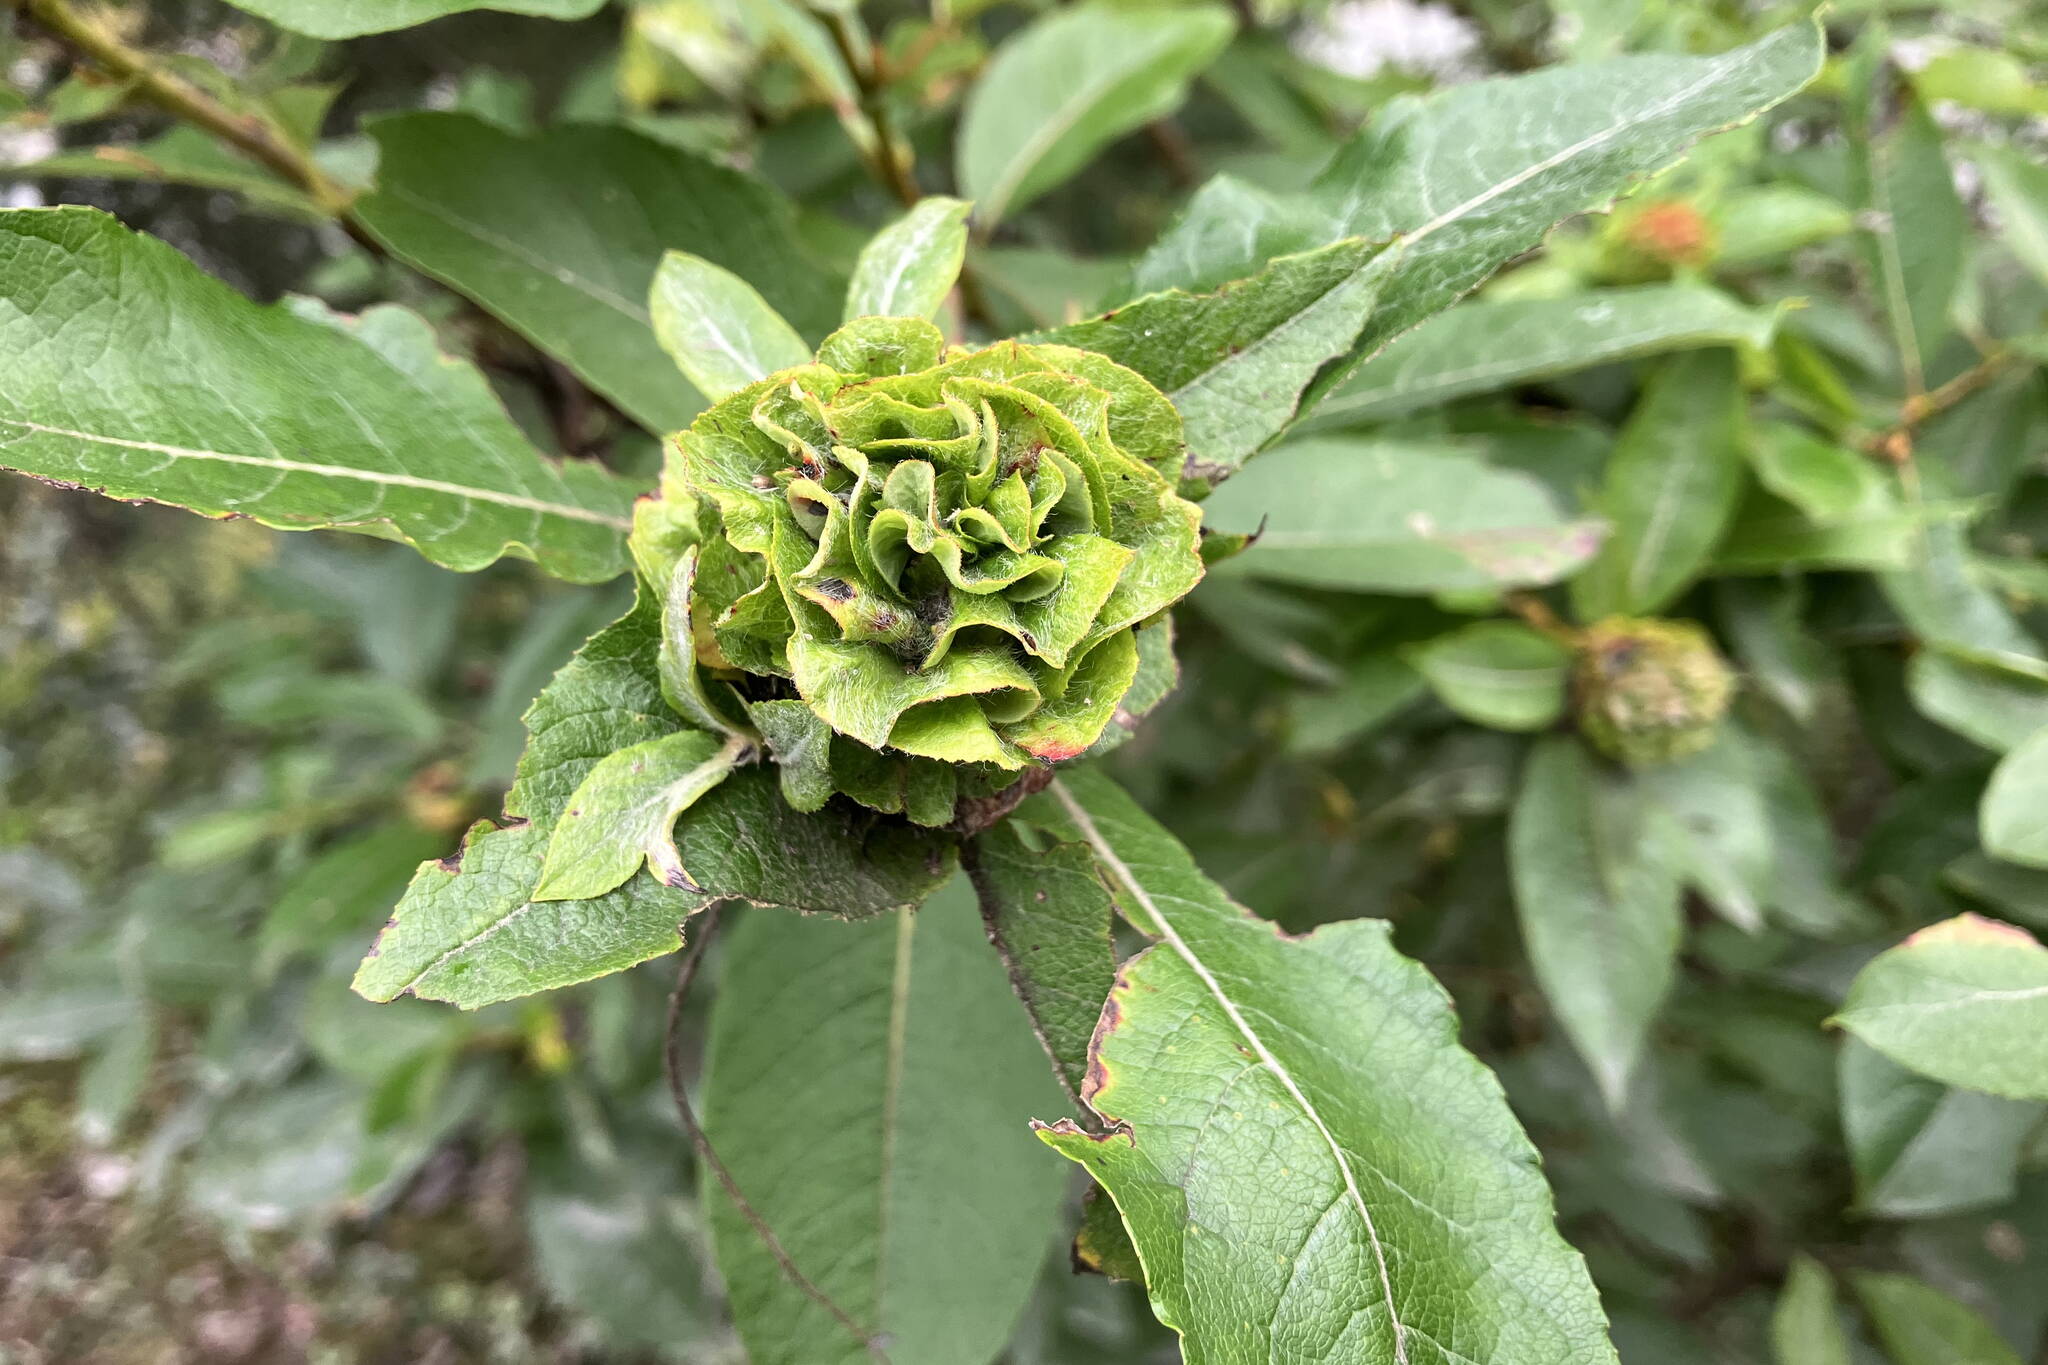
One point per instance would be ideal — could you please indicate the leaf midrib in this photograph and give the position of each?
(540, 506)
(1110, 858)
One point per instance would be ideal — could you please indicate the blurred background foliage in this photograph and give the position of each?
(223, 750)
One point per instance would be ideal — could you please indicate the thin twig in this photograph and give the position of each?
(1536, 612)
(884, 161)
(672, 1054)
(1170, 144)
(257, 135)
(865, 68)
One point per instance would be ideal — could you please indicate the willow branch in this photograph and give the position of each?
(256, 135)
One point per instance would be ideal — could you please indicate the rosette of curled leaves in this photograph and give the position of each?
(917, 572)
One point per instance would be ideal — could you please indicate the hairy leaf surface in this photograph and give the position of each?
(1310, 1165)
(132, 374)
(1456, 184)
(469, 930)
(910, 266)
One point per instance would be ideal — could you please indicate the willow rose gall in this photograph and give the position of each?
(1647, 691)
(943, 557)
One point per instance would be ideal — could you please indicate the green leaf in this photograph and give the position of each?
(1920, 1325)
(559, 234)
(1388, 516)
(343, 892)
(1498, 673)
(1599, 908)
(1915, 234)
(868, 1085)
(625, 812)
(352, 18)
(1965, 1001)
(910, 266)
(2014, 816)
(1920, 1149)
(1048, 914)
(2018, 189)
(1066, 86)
(1756, 223)
(1457, 185)
(1670, 488)
(1995, 708)
(132, 374)
(1804, 1327)
(1373, 690)
(1482, 346)
(59, 1020)
(1713, 817)
(1297, 1112)
(1943, 597)
(468, 931)
(1829, 483)
(614, 1238)
(110, 1085)
(1237, 362)
(721, 333)
(182, 155)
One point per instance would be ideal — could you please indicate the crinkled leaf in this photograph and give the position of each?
(1599, 908)
(1297, 1112)
(1064, 87)
(351, 18)
(868, 1085)
(1965, 1001)
(559, 234)
(624, 815)
(1670, 487)
(1048, 914)
(1392, 516)
(910, 266)
(132, 374)
(471, 934)
(721, 333)
(468, 930)
(801, 744)
(1481, 346)
(1501, 674)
